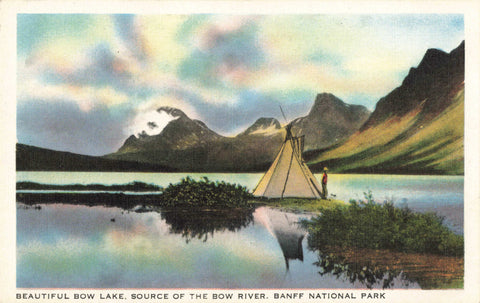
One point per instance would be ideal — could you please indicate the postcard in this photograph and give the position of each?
(240, 151)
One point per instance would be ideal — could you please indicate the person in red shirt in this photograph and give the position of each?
(324, 183)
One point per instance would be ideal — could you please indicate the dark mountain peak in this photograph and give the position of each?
(434, 54)
(329, 121)
(263, 126)
(326, 98)
(457, 58)
(175, 112)
(432, 59)
(459, 51)
(325, 103)
(438, 63)
(180, 133)
(267, 122)
(201, 124)
(131, 139)
(425, 88)
(324, 95)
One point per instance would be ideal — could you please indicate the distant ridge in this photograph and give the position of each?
(262, 126)
(31, 158)
(189, 145)
(329, 121)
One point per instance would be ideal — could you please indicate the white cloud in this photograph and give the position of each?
(150, 123)
(158, 38)
(86, 97)
(155, 102)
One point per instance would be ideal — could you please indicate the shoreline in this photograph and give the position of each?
(366, 172)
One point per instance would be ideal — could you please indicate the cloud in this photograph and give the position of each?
(128, 30)
(36, 31)
(65, 126)
(159, 38)
(226, 50)
(105, 68)
(86, 97)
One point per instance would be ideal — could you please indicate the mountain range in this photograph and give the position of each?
(417, 128)
(189, 145)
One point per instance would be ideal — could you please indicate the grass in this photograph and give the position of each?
(366, 224)
(298, 204)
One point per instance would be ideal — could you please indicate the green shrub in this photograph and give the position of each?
(366, 224)
(204, 193)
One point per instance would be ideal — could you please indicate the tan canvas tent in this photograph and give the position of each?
(288, 176)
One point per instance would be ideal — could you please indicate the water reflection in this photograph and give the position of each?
(285, 228)
(81, 247)
(383, 268)
(200, 224)
(366, 273)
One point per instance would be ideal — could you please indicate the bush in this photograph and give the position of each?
(366, 224)
(204, 193)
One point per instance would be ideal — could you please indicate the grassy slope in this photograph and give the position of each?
(401, 145)
(298, 204)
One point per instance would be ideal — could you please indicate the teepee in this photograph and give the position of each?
(288, 176)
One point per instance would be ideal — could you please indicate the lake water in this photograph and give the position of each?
(440, 194)
(75, 246)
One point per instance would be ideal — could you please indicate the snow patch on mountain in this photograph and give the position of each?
(266, 130)
(151, 123)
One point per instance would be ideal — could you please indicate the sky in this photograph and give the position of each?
(86, 82)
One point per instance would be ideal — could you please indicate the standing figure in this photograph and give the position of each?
(324, 183)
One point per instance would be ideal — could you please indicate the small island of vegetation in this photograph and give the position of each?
(188, 193)
(367, 224)
(374, 243)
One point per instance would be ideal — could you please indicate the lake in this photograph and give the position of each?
(76, 246)
(440, 194)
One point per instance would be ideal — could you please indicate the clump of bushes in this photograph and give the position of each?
(367, 224)
(204, 193)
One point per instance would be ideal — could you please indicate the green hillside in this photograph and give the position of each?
(407, 144)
